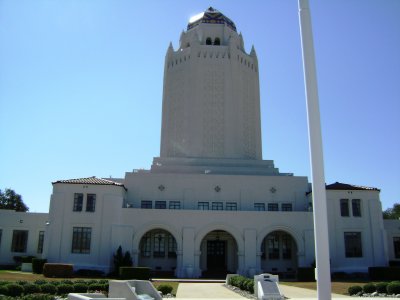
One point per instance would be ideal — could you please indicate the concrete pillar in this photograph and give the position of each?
(188, 252)
(250, 251)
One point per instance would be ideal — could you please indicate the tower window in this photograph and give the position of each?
(208, 41)
(217, 42)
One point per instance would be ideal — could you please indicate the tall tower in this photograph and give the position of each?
(211, 100)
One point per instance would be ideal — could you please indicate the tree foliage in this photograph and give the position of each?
(122, 260)
(393, 212)
(11, 200)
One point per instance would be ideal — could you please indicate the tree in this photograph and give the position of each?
(393, 212)
(121, 260)
(11, 200)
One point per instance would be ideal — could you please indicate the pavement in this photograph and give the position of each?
(213, 290)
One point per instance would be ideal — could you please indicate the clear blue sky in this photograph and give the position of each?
(81, 87)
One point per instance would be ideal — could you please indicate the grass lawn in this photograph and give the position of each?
(338, 287)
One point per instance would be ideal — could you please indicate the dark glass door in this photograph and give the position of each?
(216, 255)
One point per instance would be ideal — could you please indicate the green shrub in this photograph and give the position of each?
(165, 289)
(38, 297)
(140, 273)
(58, 270)
(393, 287)
(64, 289)
(66, 281)
(369, 288)
(27, 259)
(37, 265)
(3, 290)
(31, 288)
(384, 273)
(250, 286)
(55, 283)
(306, 274)
(381, 287)
(48, 288)
(40, 281)
(14, 290)
(80, 281)
(105, 287)
(95, 287)
(80, 287)
(103, 281)
(21, 282)
(4, 282)
(354, 289)
(92, 281)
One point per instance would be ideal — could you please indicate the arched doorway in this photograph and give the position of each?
(279, 254)
(158, 251)
(218, 254)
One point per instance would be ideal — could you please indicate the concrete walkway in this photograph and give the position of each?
(200, 290)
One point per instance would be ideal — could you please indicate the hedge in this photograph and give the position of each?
(80, 287)
(37, 265)
(381, 287)
(369, 288)
(31, 288)
(48, 288)
(393, 288)
(64, 289)
(14, 290)
(384, 273)
(243, 283)
(165, 289)
(58, 270)
(140, 273)
(354, 290)
(306, 274)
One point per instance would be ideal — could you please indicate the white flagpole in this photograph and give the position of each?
(316, 156)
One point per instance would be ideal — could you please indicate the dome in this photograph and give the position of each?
(210, 16)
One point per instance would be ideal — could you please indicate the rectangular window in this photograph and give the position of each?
(259, 206)
(19, 241)
(78, 202)
(217, 206)
(231, 206)
(287, 207)
(171, 246)
(40, 242)
(159, 245)
(356, 206)
(273, 207)
(352, 243)
(1, 233)
(396, 247)
(344, 207)
(160, 205)
(145, 246)
(286, 246)
(273, 246)
(81, 237)
(203, 205)
(91, 202)
(146, 204)
(174, 205)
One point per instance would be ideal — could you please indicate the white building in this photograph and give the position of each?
(209, 204)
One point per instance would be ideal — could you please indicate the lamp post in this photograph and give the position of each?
(316, 156)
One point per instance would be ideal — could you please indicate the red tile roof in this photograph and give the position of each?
(90, 180)
(345, 186)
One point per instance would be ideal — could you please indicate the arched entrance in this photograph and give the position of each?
(158, 251)
(218, 254)
(279, 254)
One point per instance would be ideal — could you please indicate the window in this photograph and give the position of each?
(202, 205)
(217, 42)
(78, 202)
(286, 246)
(19, 241)
(174, 205)
(263, 256)
(159, 245)
(146, 204)
(91, 202)
(273, 207)
(208, 41)
(396, 247)
(352, 243)
(171, 246)
(81, 237)
(145, 248)
(231, 206)
(287, 207)
(259, 206)
(356, 206)
(344, 207)
(1, 233)
(160, 205)
(273, 246)
(217, 206)
(40, 242)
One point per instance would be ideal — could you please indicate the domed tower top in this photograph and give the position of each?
(210, 16)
